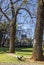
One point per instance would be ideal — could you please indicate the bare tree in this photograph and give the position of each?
(12, 25)
(13, 29)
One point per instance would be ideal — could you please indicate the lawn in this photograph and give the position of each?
(11, 58)
(24, 51)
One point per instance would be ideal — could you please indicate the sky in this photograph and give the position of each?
(24, 17)
(27, 20)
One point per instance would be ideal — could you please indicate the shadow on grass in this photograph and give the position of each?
(23, 50)
(6, 50)
(3, 50)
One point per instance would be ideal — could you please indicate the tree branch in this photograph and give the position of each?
(12, 9)
(16, 1)
(4, 14)
(23, 9)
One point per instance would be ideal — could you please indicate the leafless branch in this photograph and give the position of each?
(4, 14)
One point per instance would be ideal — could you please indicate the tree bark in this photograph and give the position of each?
(12, 36)
(38, 37)
(12, 30)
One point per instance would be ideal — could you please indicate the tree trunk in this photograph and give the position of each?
(37, 46)
(12, 36)
(12, 30)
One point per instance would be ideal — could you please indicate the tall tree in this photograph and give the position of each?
(6, 11)
(37, 46)
(13, 26)
(13, 29)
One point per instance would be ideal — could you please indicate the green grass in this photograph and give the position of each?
(5, 57)
(18, 51)
(24, 51)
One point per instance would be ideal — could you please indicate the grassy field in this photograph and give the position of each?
(24, 51)
(9, 58)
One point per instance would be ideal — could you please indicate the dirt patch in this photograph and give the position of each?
(35, 63)
(11, 54)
